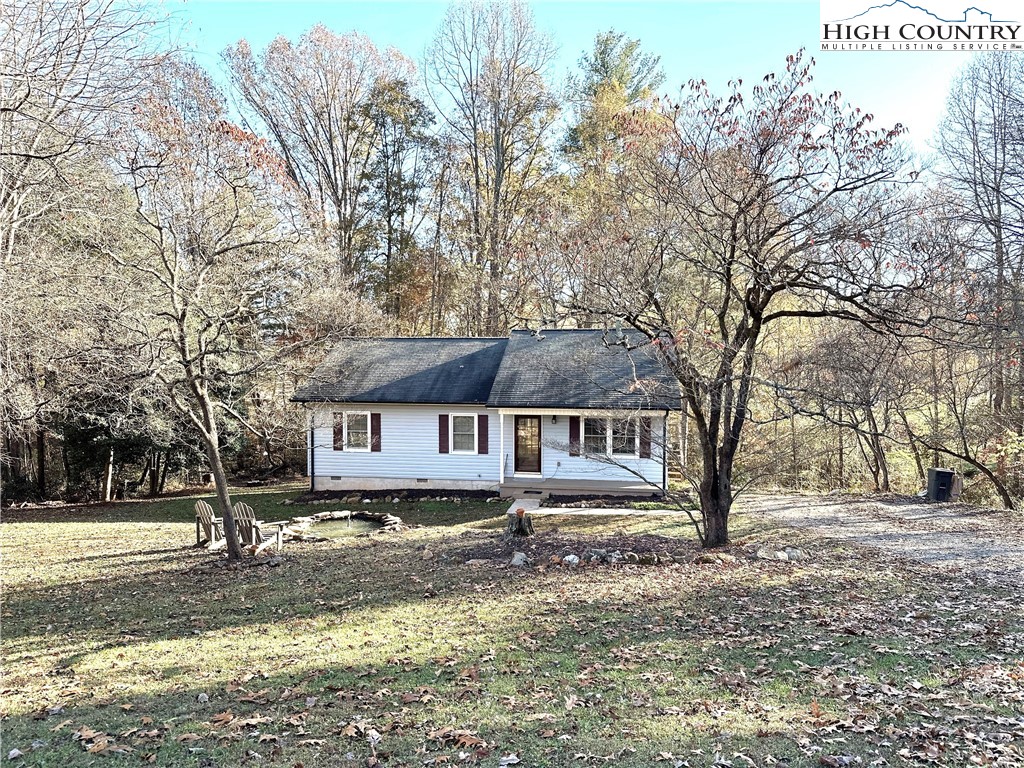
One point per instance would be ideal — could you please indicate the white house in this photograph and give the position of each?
(565, 411)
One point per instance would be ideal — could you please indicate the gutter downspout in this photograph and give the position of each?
(312, 452)
(501, 449)
(664, 455)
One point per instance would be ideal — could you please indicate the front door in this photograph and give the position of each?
(527, 447)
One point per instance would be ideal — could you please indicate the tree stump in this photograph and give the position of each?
(520, 523)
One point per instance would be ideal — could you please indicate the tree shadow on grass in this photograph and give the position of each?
(611, 656)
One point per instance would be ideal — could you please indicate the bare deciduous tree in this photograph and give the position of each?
(67, 69)
(313, 97)
(747, 211)
(485, 73)
(223, 290)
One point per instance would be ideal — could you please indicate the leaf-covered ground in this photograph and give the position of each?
(392, 651)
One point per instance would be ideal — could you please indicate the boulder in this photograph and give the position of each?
(631, 557)
(795, 554)
(648, 558)
(571, 560)
(519, 560)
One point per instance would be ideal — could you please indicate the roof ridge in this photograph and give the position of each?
(424, 338)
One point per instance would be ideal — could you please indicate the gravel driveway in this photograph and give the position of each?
(984, 541)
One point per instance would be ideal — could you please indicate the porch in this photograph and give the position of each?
(544, 487)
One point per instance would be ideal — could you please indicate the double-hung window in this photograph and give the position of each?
(464, 433)
(357, 431)
(610, 437)
(352, 431)
(595, 436)
(623, 437)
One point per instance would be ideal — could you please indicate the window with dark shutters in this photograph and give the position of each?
(375, 432)
(645, 438)
(574, 435)
(442, 433)
(339, 431)
(481, 433)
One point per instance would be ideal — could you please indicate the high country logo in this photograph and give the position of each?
(902, 25)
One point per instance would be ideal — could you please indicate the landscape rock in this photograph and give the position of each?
(615, 557)
(519, 560)
(648, 558)
(203, 698)
(631, 557)
(789, 554)
(477, 562)
(714, 558)
(427, 554)
(664, 558)
(571, 560)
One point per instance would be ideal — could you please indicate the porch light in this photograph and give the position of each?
(554, 419)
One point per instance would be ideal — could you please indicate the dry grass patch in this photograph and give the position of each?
(370, 651)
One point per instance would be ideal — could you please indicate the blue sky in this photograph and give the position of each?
(711, 39)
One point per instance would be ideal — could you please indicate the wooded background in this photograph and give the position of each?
(178, 251)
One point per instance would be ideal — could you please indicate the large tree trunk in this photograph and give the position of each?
(154, 473)
(714, 510)
(220, 480)
(715, 501)
(41, 462)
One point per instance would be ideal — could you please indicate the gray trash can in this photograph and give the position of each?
(940, 483)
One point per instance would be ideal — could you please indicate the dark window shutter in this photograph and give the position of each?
(645, 438)
(339, 431)
(375, 432)
(574, 435)
(481, 433)
(442, 433)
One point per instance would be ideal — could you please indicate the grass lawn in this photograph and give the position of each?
(390, 650)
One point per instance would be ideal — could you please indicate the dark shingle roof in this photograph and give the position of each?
(581, 369)
(416, 370)
(552, 369)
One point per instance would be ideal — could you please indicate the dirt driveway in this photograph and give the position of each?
(984, 541)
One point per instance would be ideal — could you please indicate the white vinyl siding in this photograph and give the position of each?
(409, 450)
(556, 463)
(408, 447)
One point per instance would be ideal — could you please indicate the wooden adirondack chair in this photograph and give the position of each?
(209, 527)
(257, 533)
